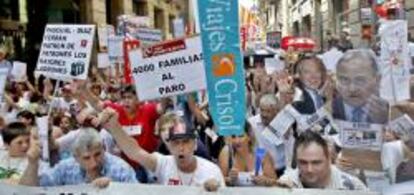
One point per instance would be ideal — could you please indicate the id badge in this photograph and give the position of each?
(132, 129)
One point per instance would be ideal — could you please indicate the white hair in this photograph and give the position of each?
(268, 100)
(87, 139)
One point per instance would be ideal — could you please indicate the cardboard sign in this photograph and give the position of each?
(19, 71)
(66, 51)
(362, 144)
(103, 60)
(168, 69)
(395, 61)
(365, 159)
(115, 48)
(223, 65)
(148, 36)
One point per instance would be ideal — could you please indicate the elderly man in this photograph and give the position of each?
(314, 169)
(180, 168)
(268, 110)
(358, 83)
(89, 164)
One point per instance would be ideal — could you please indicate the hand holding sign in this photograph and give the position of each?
(378, 109)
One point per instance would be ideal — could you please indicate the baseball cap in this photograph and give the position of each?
(180, 131)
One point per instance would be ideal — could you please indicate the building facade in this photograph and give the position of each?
(22, 21)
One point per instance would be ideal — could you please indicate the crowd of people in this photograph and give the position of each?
(100, 132)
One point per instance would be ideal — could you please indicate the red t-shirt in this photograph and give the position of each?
(140, 127)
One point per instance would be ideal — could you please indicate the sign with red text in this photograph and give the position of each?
(168, 69)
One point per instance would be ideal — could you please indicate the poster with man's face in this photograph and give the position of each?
(357, 99)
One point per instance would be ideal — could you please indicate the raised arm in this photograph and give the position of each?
(128, 145)
(30, 176)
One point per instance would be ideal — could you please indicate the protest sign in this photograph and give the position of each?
(103, 60)
(148, 36)
(273, 39)
(168, 69)
(395, 61)
(19, 71)
(320, 119)
(273, 65)
(127, 188)
(66, 51)
(280, 125)
(331, 58)
(115, 48)
(179, 29)
(223, 65)
(402, 126)
(3, 79)
(362, 144)
(104, 31)
(43, 129)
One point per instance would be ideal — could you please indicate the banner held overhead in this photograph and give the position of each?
(223, 64)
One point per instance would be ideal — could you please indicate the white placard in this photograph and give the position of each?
(331, 58)
(273, 65)
(360, 135)
(3, 79)
(279, 125)
(115, 48)
(104, 32)
(168, 69)
(395, 61)
(103, 60)
(179, 29)
(66, 51)
(43, 128)
(19, 71)
(148, 36)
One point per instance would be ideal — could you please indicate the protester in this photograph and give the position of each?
(314, 167)
(164, 123)
(237, 162)
(16, 141)
(180, 168)
(269, 108)
(89, 164)
(345, 43)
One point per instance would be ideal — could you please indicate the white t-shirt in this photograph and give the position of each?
(7, 162)
(339, 180)
(167, 172)
(61, 103)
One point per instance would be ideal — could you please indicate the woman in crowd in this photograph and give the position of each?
(237, 162)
